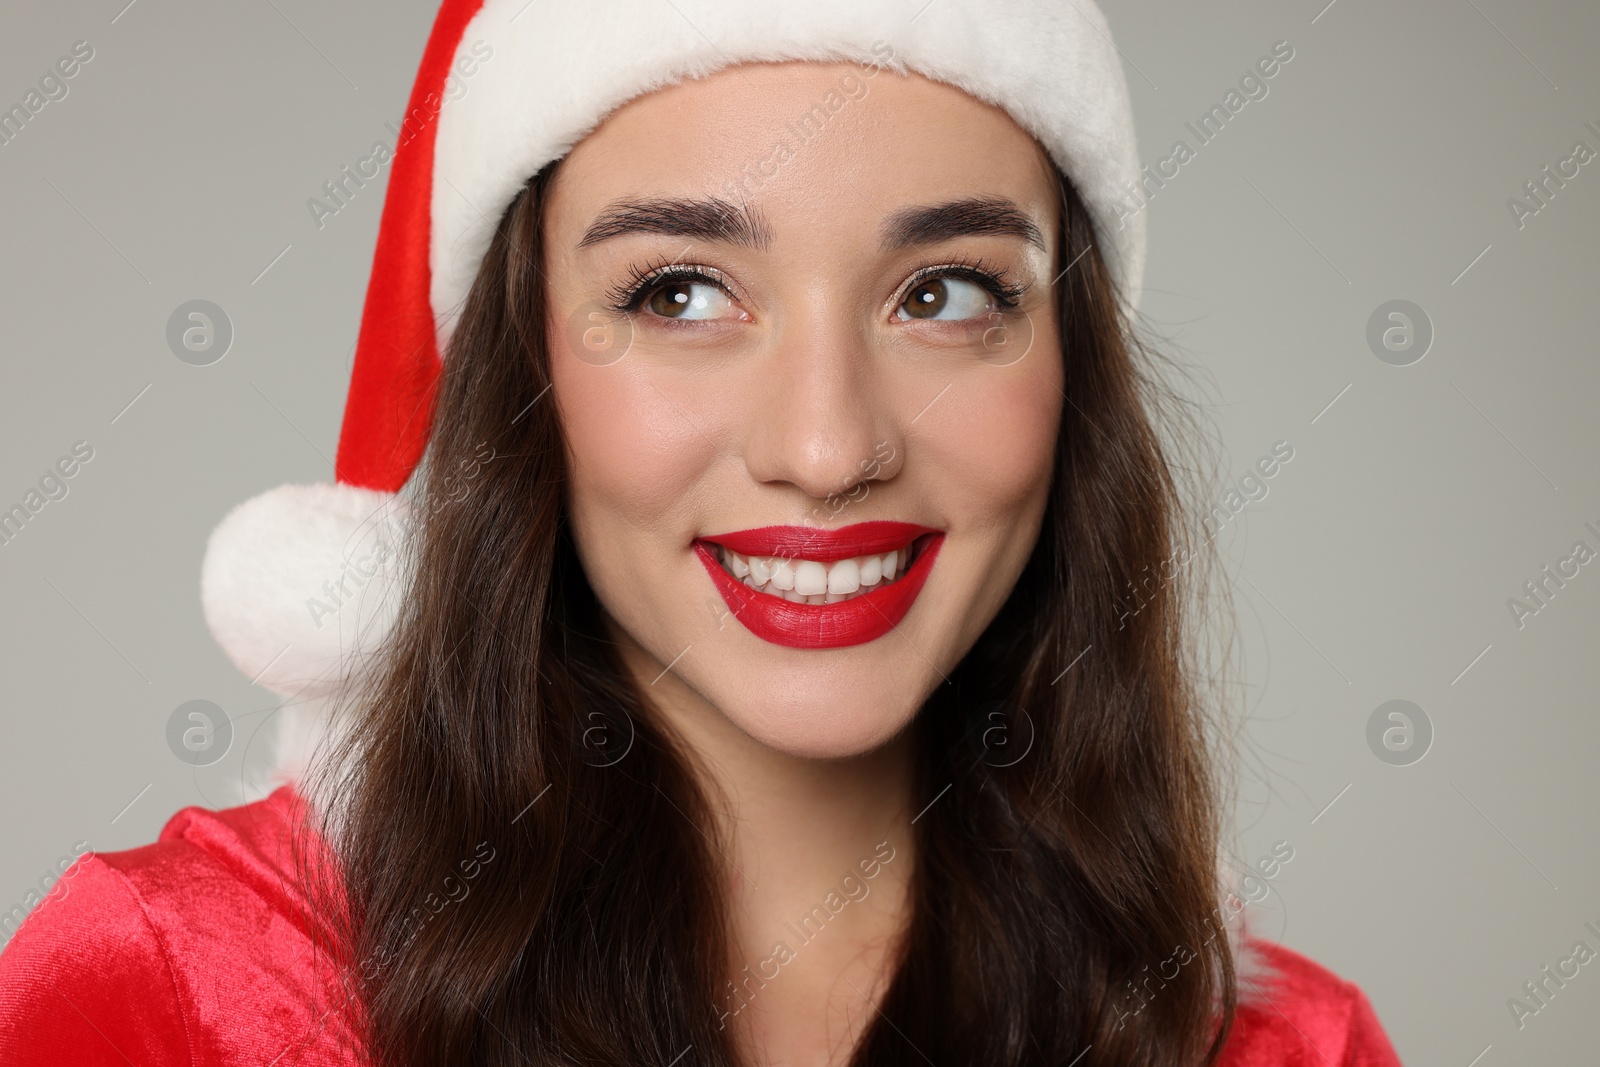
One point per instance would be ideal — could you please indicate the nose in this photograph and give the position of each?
(821, 419)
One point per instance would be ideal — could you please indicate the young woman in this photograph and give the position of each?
(794, 648)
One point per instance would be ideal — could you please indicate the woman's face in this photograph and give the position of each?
(806, 358)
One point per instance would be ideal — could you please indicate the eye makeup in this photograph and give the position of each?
(644, 280)
(995, 280)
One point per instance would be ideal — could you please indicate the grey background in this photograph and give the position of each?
(1378, 567)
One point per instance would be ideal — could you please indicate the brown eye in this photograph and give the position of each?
(927, 299)
(671, 301)
(691, 300)
(946, 298)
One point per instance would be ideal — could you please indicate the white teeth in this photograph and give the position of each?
(844, 577)
(808, 581)
(810, 577)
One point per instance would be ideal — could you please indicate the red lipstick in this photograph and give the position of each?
(850, 622)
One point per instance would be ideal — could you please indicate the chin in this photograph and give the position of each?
(828, 720)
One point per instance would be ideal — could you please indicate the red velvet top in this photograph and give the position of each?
(194, 950)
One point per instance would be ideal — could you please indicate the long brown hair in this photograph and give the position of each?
(526, 873)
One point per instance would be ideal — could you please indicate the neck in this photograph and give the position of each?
(818, 856)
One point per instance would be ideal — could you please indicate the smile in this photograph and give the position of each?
(808, 588)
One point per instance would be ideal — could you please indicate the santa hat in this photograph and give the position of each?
(299, 576)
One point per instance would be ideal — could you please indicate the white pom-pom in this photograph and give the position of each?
(302, 580)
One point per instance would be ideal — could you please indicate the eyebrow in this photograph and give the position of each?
(715, 219)
(709, 220)
(971, 216)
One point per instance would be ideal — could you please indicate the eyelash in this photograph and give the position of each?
(978, 272)
(643, 281)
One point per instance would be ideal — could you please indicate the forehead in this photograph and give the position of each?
(835, 146)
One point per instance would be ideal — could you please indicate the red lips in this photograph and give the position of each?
(850, 622)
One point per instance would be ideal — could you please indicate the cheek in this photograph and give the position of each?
(997, 443)
(635, 459)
